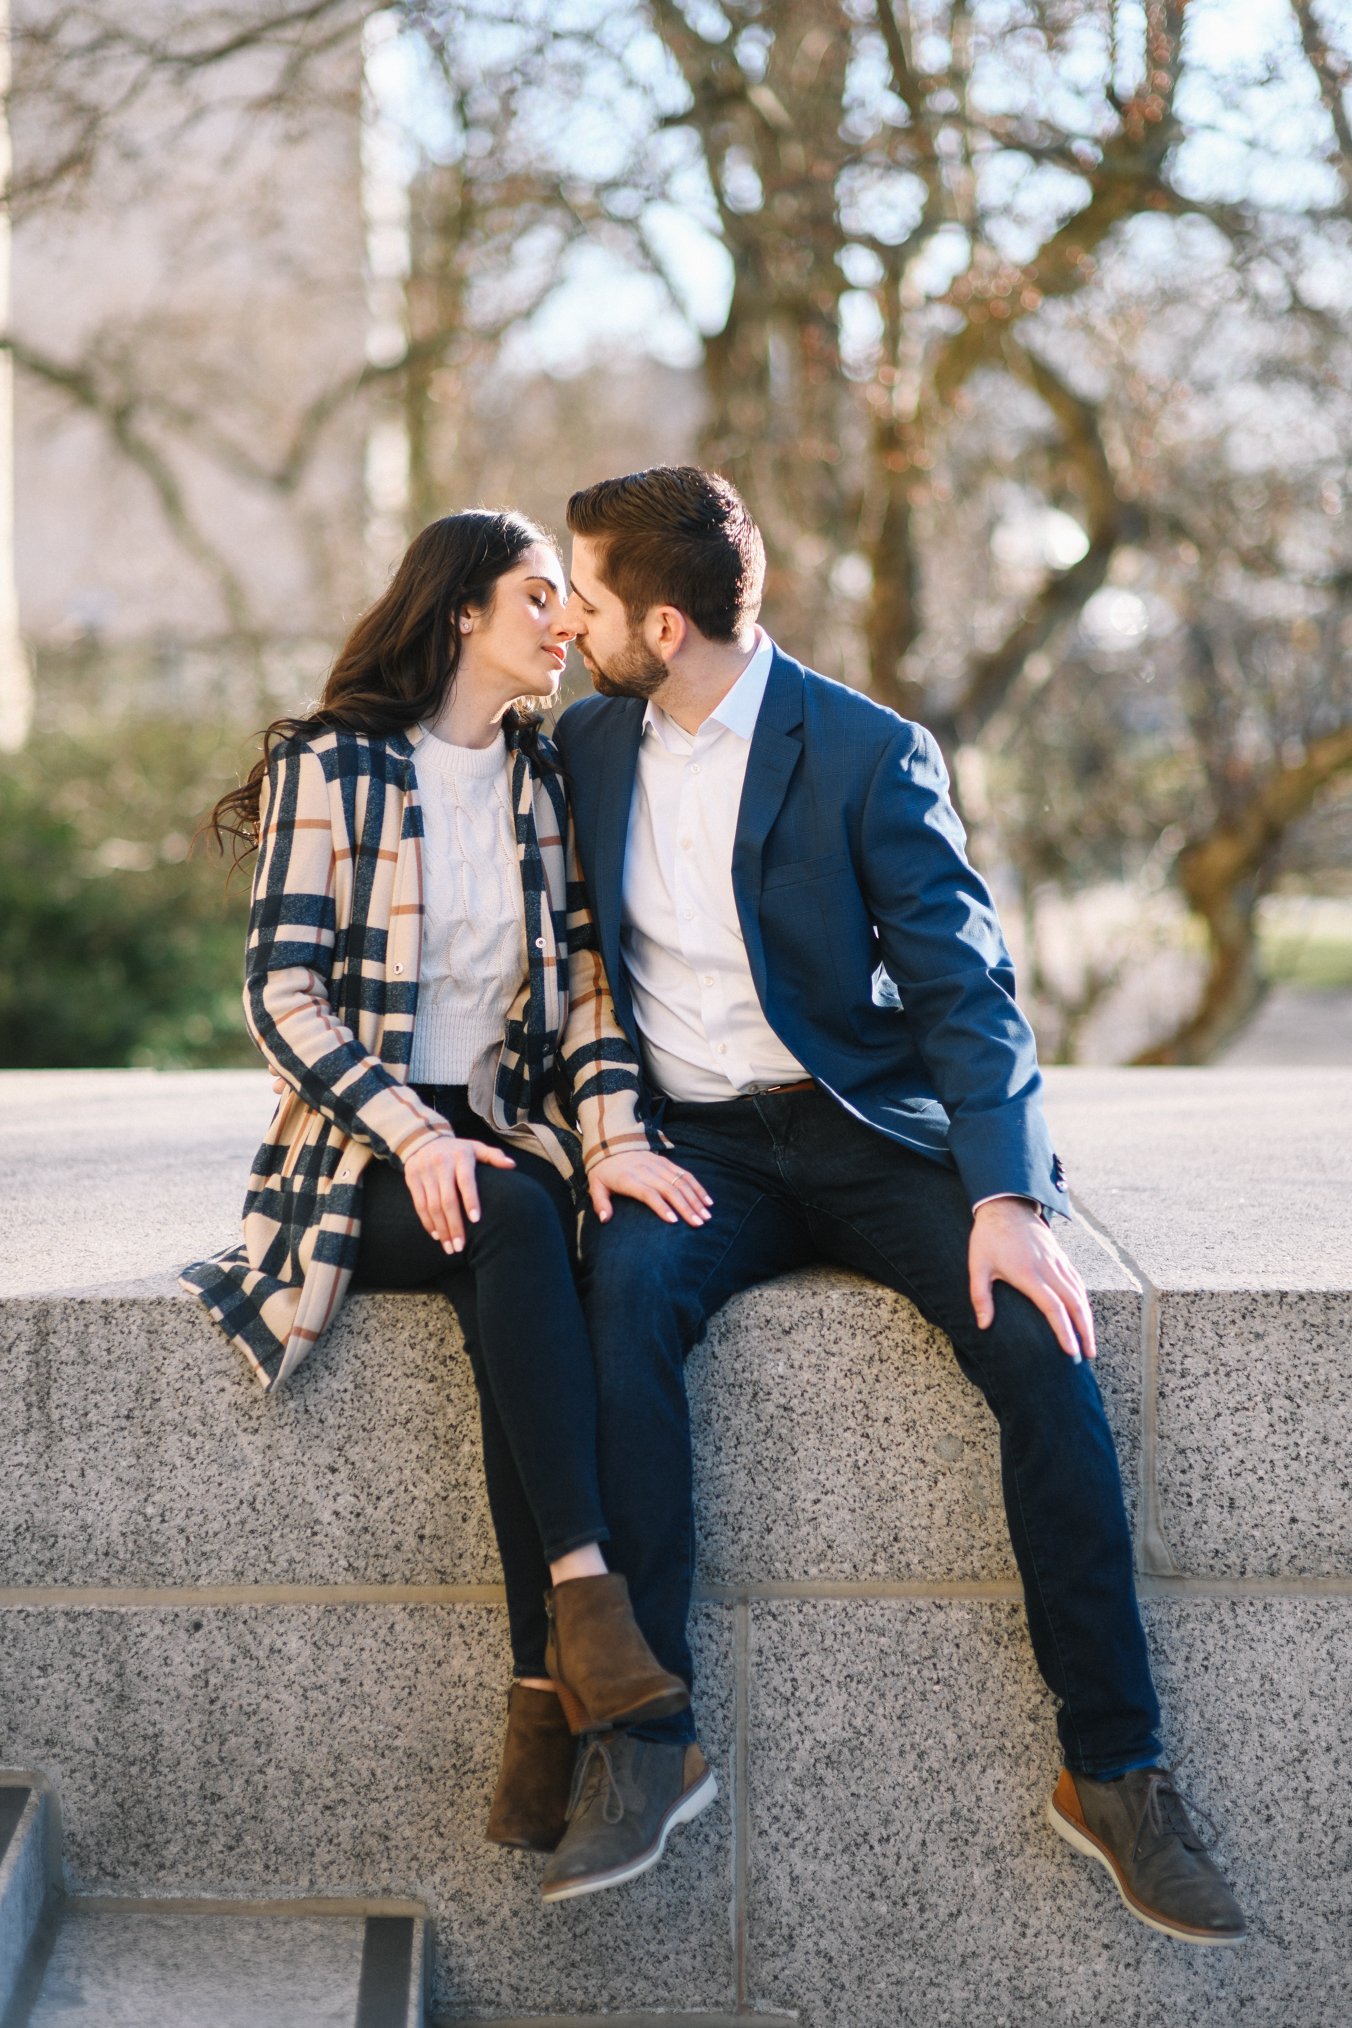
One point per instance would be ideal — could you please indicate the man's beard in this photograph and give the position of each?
(634, 672)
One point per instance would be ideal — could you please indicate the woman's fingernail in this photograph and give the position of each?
(460, 1246)
(474, 1218)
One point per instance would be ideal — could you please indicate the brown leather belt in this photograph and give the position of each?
(803, 1084)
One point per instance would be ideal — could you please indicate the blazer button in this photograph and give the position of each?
(539, 943)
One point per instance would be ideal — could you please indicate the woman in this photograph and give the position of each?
(423, 977)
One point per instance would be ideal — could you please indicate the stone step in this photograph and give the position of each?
(135, 1963)
(125, 1961)
(883, 1764)
(29, 1842)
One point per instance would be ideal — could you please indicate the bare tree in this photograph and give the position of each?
(954, 233)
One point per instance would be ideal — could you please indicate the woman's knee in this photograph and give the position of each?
(520, 1207)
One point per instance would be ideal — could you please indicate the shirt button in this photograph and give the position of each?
(398, 968)
(708, 979)
(696, 769)
(539, 943)
(685, 844)
(688, 914)
(722, 1049)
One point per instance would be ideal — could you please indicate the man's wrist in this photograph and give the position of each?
(1007, 1197)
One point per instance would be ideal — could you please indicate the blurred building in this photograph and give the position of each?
(191, 323)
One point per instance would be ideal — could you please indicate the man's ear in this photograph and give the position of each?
(667, 629)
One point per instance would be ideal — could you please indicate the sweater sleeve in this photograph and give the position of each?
(288, 969)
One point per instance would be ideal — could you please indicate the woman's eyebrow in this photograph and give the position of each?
(552, 582)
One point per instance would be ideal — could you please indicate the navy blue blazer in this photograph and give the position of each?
(874, 947)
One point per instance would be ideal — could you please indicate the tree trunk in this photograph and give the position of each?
(1233, 986)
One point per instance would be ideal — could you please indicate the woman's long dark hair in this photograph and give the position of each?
(398, 664)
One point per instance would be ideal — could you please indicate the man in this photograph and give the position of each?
(816, 982)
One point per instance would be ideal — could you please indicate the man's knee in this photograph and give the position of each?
(1025, 1365)
(638, 1291)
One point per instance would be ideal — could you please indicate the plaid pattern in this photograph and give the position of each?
(331, 995)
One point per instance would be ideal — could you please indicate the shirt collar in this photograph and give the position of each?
(740, 709)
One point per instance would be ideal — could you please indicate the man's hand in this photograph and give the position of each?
(670, 1191)
(440, 1179)
(1011, 1244)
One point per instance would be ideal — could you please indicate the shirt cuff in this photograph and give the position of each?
(1005, 1197)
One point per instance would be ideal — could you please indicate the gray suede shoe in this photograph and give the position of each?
(1140, 1831)
(628, 1797)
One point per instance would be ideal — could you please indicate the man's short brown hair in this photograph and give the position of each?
(676, 536)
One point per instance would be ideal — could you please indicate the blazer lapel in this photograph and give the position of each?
(610, 835)
(776, 747)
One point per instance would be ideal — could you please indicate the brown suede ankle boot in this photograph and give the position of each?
(530, 1807)
(606, 1672)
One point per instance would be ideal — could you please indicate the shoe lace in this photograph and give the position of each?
(596, 1770)
(1167, 1814)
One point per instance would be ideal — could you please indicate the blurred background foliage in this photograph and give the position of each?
(118, 946)
(1025, 326)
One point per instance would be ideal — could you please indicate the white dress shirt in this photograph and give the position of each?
(700, 1022)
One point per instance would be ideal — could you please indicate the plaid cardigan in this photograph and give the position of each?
(331, 995)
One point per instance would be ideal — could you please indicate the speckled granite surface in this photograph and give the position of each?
(869, 1454)
(892, 1867)
(1214, 1179)
(900, 1867)
(27, 1862)
(176, 1468)
(165, 1971)
(1255, 1432)
(349, 1749)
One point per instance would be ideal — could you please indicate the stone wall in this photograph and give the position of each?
(260, 1648)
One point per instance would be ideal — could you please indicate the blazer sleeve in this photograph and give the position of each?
(942, 945)
(601, 1069)
(288, 966)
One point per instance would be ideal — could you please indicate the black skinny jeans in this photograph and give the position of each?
(513, 1291)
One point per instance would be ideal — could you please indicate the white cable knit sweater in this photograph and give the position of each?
(474, 936)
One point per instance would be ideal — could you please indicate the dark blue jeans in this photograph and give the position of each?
(796, 1179)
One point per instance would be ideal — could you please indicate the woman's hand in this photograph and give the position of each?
(440, 1179)
(669, 1190)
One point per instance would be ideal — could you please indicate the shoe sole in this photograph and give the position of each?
(1089, 1845)
(687, 1806)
